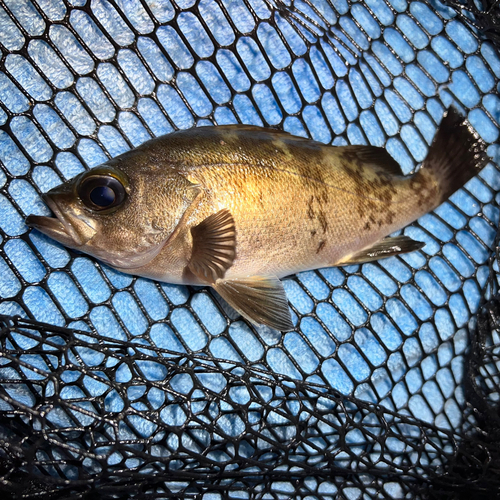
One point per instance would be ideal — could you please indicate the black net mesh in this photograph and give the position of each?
(115, 387)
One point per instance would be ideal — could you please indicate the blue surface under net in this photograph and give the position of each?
(140, 387)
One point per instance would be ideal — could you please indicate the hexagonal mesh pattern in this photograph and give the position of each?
(117, 386)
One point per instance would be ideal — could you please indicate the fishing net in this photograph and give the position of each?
(113, 386)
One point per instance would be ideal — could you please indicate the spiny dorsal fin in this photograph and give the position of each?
(214, 246)
(283, 134)
(260, 299)
(382, 249)
(242, 126)
(377, 158)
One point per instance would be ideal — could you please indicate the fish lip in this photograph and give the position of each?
(57, 227)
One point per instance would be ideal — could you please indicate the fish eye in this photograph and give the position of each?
(101, 192)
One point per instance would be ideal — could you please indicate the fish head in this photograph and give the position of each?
(119, 214)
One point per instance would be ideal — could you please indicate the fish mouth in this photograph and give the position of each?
(57, 226)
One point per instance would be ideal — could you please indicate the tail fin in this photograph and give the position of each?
(456, 155)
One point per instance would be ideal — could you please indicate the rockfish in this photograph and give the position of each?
(238, 207)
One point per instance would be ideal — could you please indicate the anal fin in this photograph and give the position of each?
(260, 299)
(382, 249)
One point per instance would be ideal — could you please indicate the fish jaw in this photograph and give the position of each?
(51, 227)
(69, 229)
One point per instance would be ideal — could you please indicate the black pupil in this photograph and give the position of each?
(102, 196)
(101, 192)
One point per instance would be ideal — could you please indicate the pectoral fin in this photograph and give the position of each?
(214, 246)
(382, 249)
(260, 299)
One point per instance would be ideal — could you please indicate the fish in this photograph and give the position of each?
(239, 207)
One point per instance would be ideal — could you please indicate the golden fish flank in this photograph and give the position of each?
(239, 207)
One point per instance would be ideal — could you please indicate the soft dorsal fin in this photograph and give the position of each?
(214, 246)
(382, 249)
(260, 299)
(377, 158)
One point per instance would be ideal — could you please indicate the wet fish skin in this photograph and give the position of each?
(239, 207)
